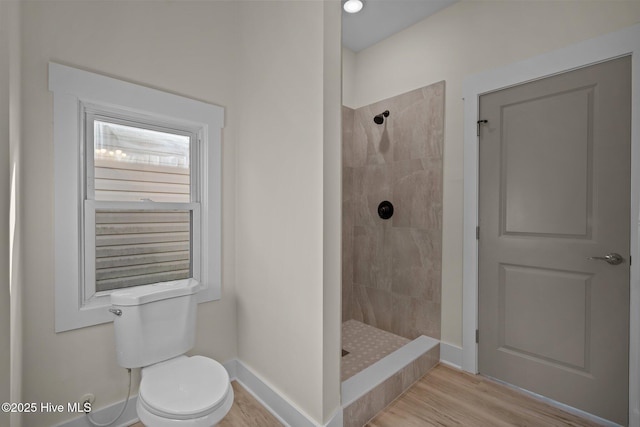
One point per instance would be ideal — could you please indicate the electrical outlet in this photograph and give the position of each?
(89, 397)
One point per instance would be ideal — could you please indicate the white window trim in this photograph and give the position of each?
(72, 89)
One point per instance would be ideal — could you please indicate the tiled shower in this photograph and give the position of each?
(391, 277)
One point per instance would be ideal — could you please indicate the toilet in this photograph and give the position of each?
(154, 326)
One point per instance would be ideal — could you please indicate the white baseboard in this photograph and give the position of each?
(286, 412)
(336, 420)
(579, 412)
(451, 355)
(281, 408)
(106, 414)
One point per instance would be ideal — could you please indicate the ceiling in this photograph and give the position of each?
(380, 19)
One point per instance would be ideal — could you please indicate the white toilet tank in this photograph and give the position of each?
(157, 323)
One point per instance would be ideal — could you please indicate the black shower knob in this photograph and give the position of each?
(385, 210)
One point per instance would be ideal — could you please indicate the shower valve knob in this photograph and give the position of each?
(385, 210)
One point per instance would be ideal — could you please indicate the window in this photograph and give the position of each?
(141, 203)
(137, 192)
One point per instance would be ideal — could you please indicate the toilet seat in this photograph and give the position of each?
(184, 388)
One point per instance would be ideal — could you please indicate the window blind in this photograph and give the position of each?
(135, 247)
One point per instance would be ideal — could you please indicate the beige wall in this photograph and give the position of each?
(332, 209)
(184, 48)
(5, 173)
(275, 67)
(464, 39)
(10, 290)
(348, 78)
(280, 199)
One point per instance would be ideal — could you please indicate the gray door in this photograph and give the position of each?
(555, 191)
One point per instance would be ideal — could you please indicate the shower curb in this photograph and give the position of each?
(368, 392)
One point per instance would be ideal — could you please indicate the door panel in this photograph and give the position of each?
(552, 131)
(555, 191)
(534, 301)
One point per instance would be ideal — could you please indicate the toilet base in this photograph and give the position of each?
(152, 420)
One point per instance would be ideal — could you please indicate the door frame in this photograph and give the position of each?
(620, 43)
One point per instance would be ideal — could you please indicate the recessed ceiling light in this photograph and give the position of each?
(352, 6)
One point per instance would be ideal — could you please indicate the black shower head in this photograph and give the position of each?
(379, 119)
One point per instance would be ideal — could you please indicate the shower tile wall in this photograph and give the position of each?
(392, 268)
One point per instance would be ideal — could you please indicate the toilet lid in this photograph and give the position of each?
(190, 387)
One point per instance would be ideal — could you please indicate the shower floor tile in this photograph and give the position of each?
(366, 345)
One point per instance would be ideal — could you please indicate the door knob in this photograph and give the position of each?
(612, 258)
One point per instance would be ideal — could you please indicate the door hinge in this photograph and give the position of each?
(478, 232)
(478, 123)
(629, 259)
(477, 336)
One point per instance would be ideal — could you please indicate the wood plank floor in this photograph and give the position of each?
(443, 397)
(448, 397)
(245, 412)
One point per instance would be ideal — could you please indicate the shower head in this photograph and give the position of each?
(379, 119)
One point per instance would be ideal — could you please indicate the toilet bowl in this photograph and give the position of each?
(154, 327)
(185, 391)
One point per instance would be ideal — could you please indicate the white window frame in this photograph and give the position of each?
(91, 113)
(74, 93)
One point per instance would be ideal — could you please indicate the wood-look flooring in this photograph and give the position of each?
(245, 412)
(448, 397)
(443, 397)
